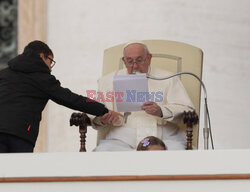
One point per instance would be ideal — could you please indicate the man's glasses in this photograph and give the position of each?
(52, 62)
(138, 61)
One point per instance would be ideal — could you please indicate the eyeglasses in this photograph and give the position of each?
(130, 62)
(52, 62)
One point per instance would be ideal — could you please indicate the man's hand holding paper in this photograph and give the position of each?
(152, 108)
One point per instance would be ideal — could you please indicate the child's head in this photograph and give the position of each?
(151, 143)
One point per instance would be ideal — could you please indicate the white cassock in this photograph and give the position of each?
(126, 136)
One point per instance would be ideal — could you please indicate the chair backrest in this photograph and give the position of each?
(171, 56)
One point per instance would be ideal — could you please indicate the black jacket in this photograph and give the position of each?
(25, 88)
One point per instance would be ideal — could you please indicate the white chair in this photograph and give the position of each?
(171, 56)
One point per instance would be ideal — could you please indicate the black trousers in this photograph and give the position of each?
(13, 144)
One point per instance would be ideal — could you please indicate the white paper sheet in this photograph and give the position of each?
(130, 92)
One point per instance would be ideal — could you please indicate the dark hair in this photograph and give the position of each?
(37, 47)
(148, 141)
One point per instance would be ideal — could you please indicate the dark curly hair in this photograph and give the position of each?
(37, 47)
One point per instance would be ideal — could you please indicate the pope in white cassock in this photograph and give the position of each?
(158, 119)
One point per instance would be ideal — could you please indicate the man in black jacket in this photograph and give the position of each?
(25, 88)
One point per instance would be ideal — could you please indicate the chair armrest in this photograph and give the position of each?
(81, 120)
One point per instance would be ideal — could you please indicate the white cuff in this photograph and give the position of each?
(166, 113)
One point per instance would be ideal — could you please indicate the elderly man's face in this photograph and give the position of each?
(136, 58)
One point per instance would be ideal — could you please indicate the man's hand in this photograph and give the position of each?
(152, 108)
(109, 118)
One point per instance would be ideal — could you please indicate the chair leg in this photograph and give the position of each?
(190, 118)
(189, 133)
(83, 132)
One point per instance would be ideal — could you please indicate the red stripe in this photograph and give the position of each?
(29, 128)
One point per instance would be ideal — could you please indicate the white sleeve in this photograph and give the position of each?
(177, 101)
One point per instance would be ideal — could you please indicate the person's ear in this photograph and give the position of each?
(149, 58)
(42, 56)
(123, 59)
